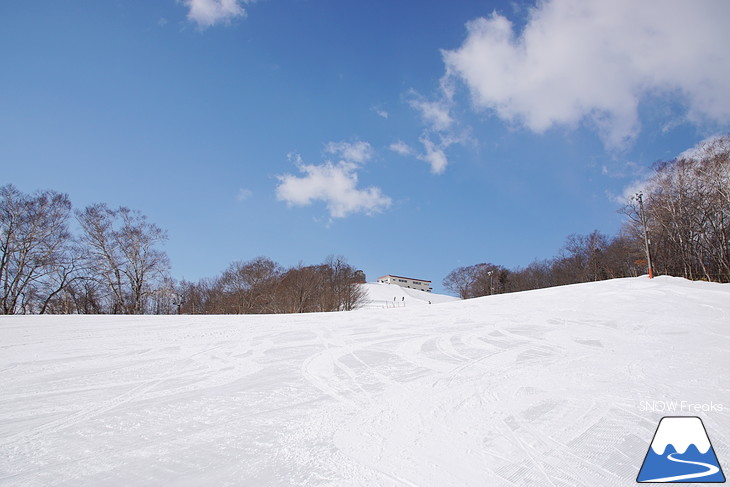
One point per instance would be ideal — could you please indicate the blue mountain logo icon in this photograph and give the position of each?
(681, 452)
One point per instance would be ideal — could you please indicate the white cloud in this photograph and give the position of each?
(358, 152)
(435, 114)
(434, 155)
(206, 13)
(716, 144)
(333, 183)
(708, 146)
(641, 185)
(441, 129)
(594, 61)
(400, 147)
(433, 152)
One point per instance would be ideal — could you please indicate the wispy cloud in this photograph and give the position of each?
(380, 112)
(207, 13)
(435, 114)
(441, 129)
(440, 132)
(334, 183)
(643, 177)
(579, 61)
(400, 147)
(434, 154)
(711, 145)
(358, 152)
(244, 194)
(642, 184)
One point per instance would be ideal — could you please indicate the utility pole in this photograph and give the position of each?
(647, 242)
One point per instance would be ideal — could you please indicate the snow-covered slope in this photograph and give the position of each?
(543, 388)
(391, 296)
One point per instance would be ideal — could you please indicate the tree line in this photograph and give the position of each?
(583, 258)
(114, 264)
(686, 214)
(263, 286)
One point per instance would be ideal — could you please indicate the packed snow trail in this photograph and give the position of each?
(532, 389)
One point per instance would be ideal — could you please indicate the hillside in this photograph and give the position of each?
(542, 388)
(391, 296)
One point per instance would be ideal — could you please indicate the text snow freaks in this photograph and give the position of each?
(680, 407)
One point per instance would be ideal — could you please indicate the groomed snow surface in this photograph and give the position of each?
(542, 388)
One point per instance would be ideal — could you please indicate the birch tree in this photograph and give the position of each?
(123, 255)
(35, 261)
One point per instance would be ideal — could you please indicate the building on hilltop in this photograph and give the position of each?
(407, 282)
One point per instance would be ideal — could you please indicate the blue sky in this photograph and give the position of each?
(409, 137)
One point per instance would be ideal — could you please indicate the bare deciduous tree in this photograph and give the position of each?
(35, 256)
(263, 286)
(343, 285)
(460, 281)
(198, 298)
(299, 289)
(123, 255)
(248, 286)
(477, 280)
(687, 203)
